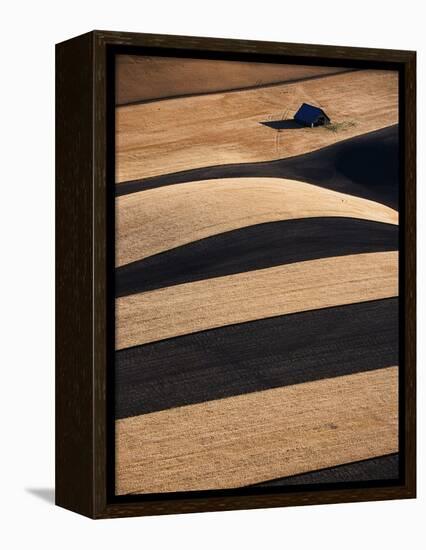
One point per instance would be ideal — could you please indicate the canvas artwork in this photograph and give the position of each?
(256, 275)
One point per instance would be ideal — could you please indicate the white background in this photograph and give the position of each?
(29, 31)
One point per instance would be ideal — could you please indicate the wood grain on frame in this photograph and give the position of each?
(85, 402)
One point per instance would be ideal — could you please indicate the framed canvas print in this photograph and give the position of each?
(235, 274)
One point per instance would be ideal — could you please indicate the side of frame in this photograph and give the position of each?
(81, 276)
(75, 382)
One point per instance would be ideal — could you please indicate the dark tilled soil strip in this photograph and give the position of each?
(256, 247)
(365, 166)
(254, 356)
(374, 469)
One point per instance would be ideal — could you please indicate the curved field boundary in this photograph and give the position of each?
(304, 286)
(256, 247)
(364, 166)
(373, 469)
(182, 134)
(150, 222)
(238, 441)
(235, 90)
(154, 78)
(260, 355)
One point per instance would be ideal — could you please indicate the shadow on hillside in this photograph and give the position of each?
(373, 164)
(366, 166)
(288, 124)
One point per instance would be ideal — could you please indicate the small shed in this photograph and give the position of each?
(308, 115)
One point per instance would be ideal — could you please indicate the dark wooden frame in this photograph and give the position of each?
(82, 259)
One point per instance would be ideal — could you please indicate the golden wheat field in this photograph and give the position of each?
(185, 133)
(256, 275)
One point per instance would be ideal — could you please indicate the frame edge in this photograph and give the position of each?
(92, 501)
(74, 383)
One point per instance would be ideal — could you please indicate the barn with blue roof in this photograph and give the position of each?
(308, 115)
